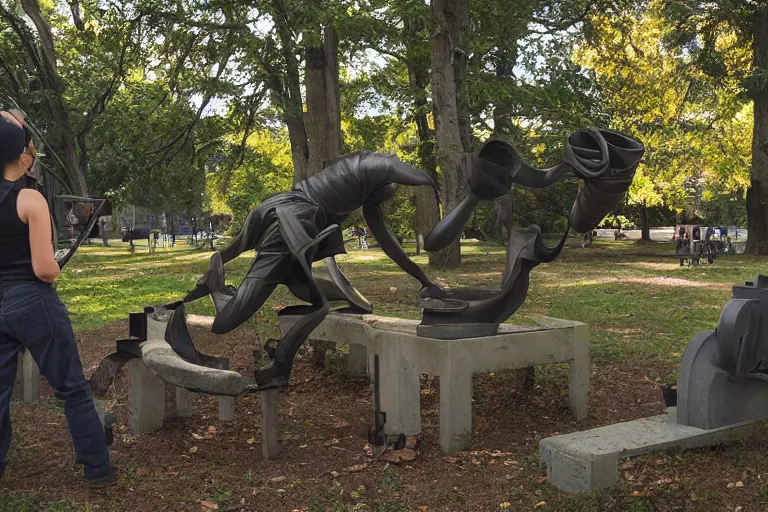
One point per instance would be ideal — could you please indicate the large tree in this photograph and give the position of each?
(719, 35)
(656, 95)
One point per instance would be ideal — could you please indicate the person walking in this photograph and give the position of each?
(31, 315)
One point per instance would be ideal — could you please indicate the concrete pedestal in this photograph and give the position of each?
(587, 461)
(226, 408)
(183, 403)
(269, 439)
(27, 385)
(404, 357)
(146, 398)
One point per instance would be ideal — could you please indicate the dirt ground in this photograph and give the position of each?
(323, 466)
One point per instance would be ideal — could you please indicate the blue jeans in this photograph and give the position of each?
(33, 317)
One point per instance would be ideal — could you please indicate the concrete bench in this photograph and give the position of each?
(404, 357)
(588, 461)
(27, 385)
(158, 367)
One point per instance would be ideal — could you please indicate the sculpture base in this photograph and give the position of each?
(456, 331)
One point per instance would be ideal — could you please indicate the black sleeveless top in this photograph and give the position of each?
(15, 253)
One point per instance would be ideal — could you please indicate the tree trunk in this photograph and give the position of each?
(288, 88)
(757, 195)
(323, 118)
(427, 206)
(451, 19)
(49, 78)
(644, 226)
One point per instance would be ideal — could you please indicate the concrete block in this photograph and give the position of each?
(161, 359)
(183, 403)
(27, 384)
(146, 398)
(578, 378)
(18, 385)
(587, 461)
(400, 388)
(357, 362)
(226, 408)
(269, 439)
(455, 410)
(404, 356)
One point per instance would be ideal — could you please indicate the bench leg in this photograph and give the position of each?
(183, 403)
(269, 445)
(400, 393)
(30, 379)
(455, 411)
(578, 386)
(146, 398)
(226, 408)
(357, 364)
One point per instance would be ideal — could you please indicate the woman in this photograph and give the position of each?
(31, 315)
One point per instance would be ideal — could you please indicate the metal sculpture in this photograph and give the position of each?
(724, 372)
(604, 159)
(290, 231)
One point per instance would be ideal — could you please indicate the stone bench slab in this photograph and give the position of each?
(404, 357)
(588, 461)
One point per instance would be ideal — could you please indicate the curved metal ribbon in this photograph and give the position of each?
(604, 159)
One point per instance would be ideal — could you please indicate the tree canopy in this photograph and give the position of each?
(212, 106)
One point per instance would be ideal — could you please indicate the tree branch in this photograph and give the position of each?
(11, 77)
(74, 6)
(98, 108)
(399, 56)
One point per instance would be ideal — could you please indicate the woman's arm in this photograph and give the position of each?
(33, 210)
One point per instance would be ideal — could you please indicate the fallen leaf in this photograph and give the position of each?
(739, 484)
(412, 442)
(451, 460)
(208, 505)
(197, 436)
(335, 474)
(277, 479)
(356, 468)
(211, 430)
(251, 440)
(193, 449)
(423, 508)
(540, 504)
(638, 493)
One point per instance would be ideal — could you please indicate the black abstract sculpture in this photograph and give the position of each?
(291, 230)
(604, 159)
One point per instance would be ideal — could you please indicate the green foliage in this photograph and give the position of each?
(697, 137)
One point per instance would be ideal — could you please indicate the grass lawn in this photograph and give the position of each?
(642, 309)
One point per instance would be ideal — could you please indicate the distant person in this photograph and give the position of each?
(32, 316)
(104, 237)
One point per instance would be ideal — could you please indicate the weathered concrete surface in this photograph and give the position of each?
(146, 398)
(27, 385)
(183, 403)
(165, 363)
(587, 461)
(269, 439)
(404, 356)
